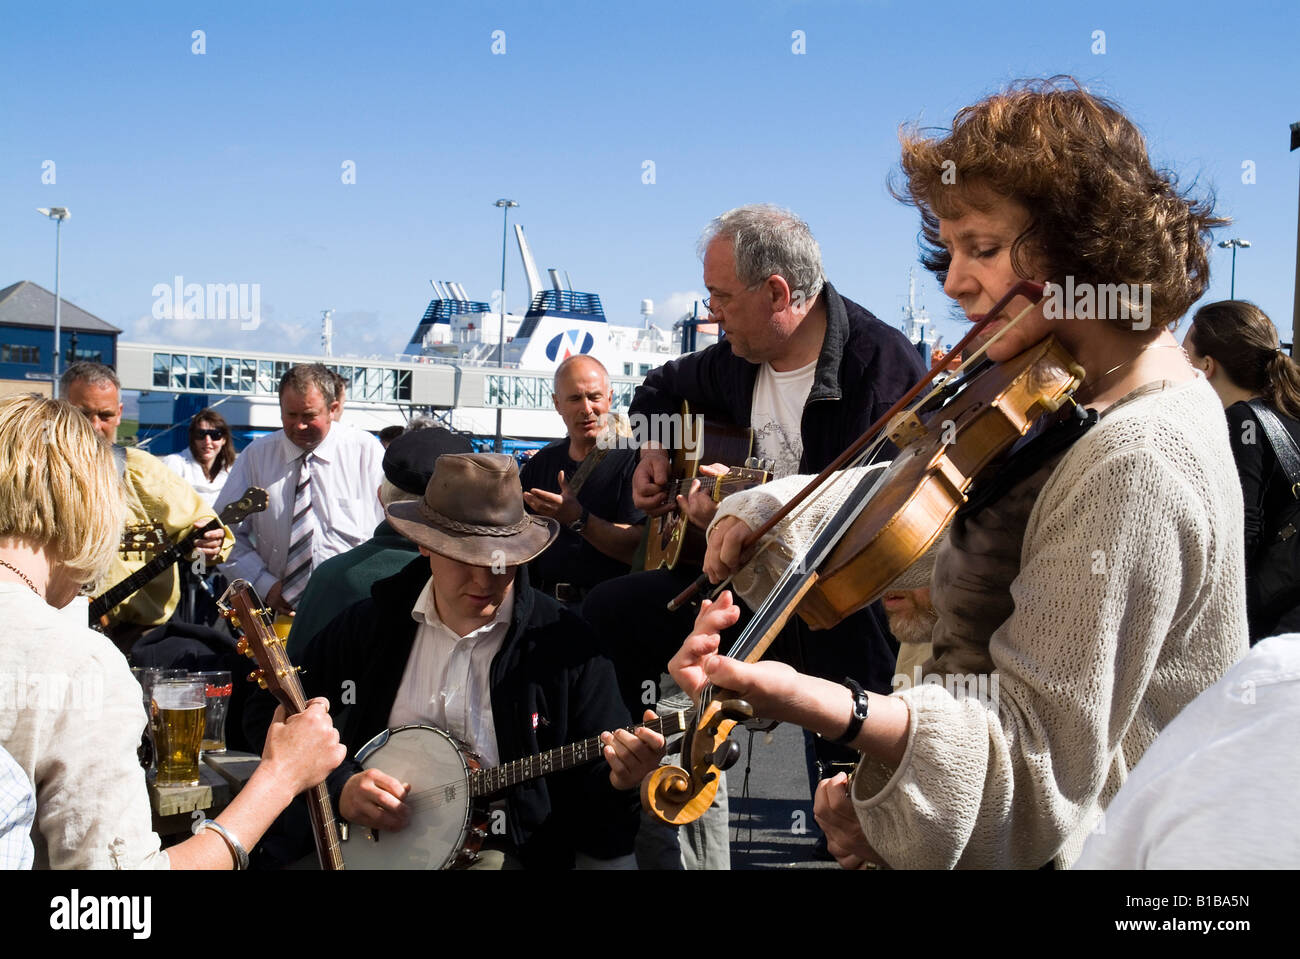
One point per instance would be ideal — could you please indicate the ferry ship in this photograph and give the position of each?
(452, 369)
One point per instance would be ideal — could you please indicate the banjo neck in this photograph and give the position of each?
(485, 782)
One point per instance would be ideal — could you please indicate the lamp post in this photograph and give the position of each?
(1295, 306)
(1234, 243)
(58, 214)
(501, 344)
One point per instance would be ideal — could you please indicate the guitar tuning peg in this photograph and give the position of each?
(241, 647)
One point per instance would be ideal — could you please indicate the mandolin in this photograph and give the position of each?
(672, 537)
(241, 605)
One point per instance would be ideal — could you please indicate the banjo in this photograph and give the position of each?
(448, 821)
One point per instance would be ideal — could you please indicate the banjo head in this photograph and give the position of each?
(438, 771)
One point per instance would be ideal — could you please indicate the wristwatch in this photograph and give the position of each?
(579, 524)
(859, 713)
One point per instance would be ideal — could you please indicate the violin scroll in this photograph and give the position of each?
(676, 796)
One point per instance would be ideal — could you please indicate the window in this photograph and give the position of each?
(11, 353)
(645, 369)
(627, 369)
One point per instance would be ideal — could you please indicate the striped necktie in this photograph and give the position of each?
(298, 567)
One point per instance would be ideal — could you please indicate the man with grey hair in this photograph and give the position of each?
(809, 371)
(320, 477)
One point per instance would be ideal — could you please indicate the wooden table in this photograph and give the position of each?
(177, 808)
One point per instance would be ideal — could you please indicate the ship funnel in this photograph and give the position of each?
(555, 279)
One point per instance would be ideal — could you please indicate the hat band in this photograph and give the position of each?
(449, 525)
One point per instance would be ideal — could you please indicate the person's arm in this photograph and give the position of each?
(299, 752)
(777, 691)
(616, 540)
(1014, 770)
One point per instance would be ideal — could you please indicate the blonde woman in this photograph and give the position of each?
(72, 718)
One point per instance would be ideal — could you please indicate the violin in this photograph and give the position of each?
(886, 523)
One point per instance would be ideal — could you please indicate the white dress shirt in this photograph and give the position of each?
(187, 468)
(346, 473)
(447, 682)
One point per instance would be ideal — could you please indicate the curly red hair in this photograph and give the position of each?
(1099, 211)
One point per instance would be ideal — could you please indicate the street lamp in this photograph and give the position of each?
(1234, 243)
(58, 214)
(501, 344)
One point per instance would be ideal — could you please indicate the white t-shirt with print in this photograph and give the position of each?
(777, 415)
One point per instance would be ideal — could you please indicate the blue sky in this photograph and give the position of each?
(226, 166)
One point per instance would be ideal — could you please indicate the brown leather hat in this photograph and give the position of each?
(473, 512)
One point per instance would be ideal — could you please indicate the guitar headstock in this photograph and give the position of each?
(144, 538)
(253, 501)
(243, 607)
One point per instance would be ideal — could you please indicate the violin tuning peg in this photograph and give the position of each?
(725, 756)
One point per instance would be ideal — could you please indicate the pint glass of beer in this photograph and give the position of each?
(177, 716)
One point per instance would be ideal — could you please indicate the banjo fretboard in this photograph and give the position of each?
(485, 782)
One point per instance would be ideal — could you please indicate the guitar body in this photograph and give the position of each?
(672, 538)
(444, 831)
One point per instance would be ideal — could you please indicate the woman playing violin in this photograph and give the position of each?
(1098, 584)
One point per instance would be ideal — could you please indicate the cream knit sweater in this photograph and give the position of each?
(1129, 602)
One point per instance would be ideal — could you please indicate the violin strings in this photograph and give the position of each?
(866, 456)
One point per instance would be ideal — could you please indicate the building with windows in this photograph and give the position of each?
(27, 338)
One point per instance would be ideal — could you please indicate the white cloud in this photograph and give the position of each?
(677, 305)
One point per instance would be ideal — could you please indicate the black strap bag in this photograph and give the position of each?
(1273, 584)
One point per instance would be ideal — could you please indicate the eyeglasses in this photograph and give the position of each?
(718, 301)
(210, 434)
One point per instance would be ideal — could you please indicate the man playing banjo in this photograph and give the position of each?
(459, 640)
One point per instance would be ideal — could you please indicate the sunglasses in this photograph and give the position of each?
(210, 434)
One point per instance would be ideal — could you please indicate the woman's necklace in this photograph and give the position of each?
(22, 576)
(1133, 359)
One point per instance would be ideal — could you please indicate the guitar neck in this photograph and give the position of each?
(141, 577)
(324, 829)
(485, 782)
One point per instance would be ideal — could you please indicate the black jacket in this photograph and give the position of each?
(864, 367)
(548, 667)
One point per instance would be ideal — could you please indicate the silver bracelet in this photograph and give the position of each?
(237, 852)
